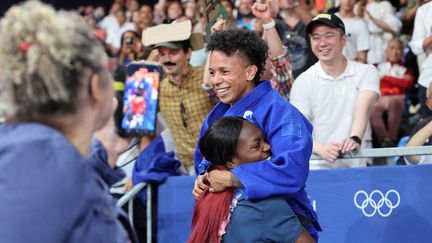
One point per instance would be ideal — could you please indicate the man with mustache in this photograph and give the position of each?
(183, 102)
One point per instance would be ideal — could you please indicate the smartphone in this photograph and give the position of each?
(140, 99)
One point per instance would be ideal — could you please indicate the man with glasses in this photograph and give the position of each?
(182, 101)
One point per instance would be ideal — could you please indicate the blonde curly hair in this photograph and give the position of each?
(45, 55)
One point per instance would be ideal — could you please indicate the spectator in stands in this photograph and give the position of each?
(131, 48)
(228, 143)
(229, 8)
(278, 65)
(395, 80)
(237, 60)
(356, 31)
(191, 12)
(99, 13)
(422, 135)
(245, 18)
(114, 34)
(173, 10)
(294, 37)
(110, 22)
(56, 91)
(421, 44)
(146, 12)
(131, 6)
(182, 101)
(336, 95)
(383, 25)
(137, 20)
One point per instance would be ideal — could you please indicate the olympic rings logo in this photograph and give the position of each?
(377, 202)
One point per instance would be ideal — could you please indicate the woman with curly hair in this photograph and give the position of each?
(236, 63)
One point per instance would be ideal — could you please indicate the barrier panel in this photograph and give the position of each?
(375, 204)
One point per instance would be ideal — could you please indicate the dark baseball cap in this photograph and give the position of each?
(172, 45)
(328, 19)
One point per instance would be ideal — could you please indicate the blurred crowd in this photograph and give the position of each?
(378, 33)
(359, 71)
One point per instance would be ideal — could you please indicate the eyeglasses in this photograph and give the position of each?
(183, 114)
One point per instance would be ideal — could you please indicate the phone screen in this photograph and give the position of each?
(140, 99)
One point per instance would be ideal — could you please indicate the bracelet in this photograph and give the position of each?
(269, 25)
(356, 139)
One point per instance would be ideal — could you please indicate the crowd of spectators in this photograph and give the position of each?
(370, 26)
(334, 69)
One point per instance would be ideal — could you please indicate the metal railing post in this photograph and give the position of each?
(149, 213)
(130, 194)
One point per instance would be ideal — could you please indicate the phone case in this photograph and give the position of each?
(140, 99)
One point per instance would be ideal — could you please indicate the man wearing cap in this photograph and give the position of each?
(183, 102)
(336, 95)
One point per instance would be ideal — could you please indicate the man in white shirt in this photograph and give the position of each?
(115, 32)
(421, 43)
(336, 95)
(356, 31)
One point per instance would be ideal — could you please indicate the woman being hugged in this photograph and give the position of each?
(226, 216)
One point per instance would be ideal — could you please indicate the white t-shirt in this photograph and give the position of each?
(378, 38)
(328, 103)
(357, 35)
(423, 29)
(114, 34)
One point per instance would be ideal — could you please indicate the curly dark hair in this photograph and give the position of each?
(245, 43)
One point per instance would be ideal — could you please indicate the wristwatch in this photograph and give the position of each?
(356, 139)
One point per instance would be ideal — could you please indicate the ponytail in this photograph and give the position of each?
(211, 210)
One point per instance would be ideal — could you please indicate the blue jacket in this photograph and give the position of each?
(50, 193)
(290, 136)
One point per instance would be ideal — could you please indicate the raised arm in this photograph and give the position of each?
(271, 36)
(280, 64)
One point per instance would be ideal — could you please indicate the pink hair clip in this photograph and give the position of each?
(24, 46)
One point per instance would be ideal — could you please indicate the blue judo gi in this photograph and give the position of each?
(290, 135)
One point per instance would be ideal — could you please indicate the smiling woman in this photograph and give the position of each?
(224, 73)
(237, 60)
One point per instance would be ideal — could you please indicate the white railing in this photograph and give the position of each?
(384, 152)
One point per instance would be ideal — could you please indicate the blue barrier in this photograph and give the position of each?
(379, 204)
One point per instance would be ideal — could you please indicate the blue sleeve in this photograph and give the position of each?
(198, 156)
(99, 160)
(290, 135)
